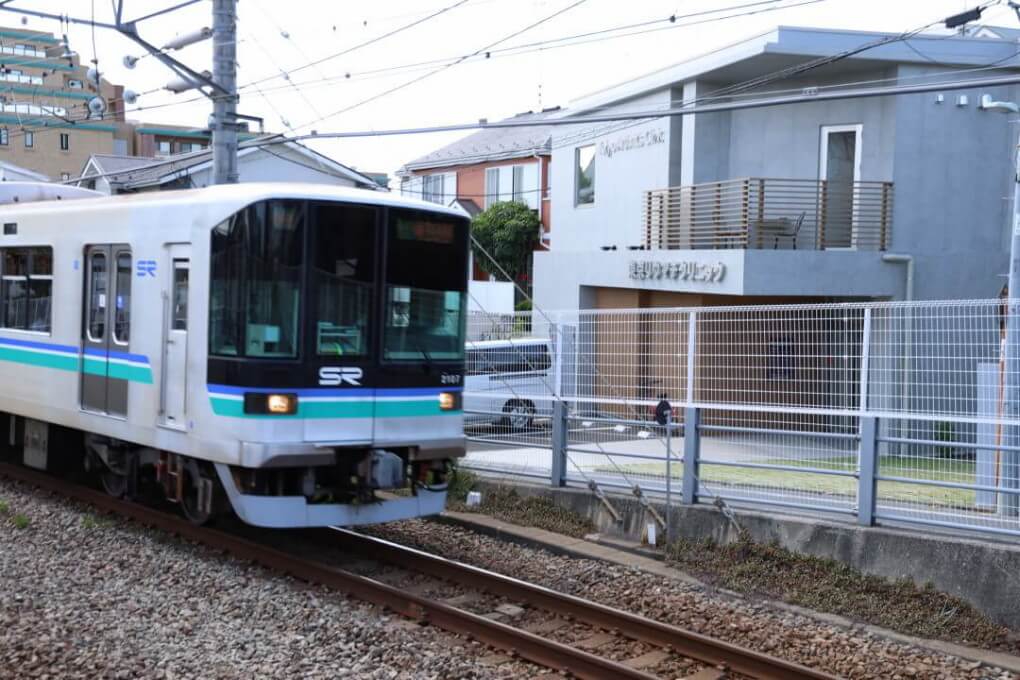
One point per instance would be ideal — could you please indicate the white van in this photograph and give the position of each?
(509, 382)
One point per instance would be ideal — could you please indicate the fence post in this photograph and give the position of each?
(558, 472)
(868, 457)
(692, 451)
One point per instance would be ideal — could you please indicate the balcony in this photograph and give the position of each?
(760, 213)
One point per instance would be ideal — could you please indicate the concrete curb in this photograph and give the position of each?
(630, 554)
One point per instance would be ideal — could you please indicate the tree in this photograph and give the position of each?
(508, 230)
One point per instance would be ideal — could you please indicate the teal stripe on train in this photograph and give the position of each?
(367, 406)
(130, 367)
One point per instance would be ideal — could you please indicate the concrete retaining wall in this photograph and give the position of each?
(984, 573)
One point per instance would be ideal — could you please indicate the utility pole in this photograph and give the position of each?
(224, 122)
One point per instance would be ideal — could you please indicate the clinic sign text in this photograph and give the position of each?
(638, 141)
(700, 272)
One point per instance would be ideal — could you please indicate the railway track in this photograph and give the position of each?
(715, 659)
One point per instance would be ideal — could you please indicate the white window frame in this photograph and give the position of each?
(429, 191)
(823, 167)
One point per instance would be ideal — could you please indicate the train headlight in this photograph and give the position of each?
(258, 403)
(281, 404)
(449, 401)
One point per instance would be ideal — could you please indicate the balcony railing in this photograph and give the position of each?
(759, 213)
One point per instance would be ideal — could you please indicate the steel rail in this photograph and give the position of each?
(685, 642)
(520, 643)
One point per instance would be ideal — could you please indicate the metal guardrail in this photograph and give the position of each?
(770, 213)
(877, 411)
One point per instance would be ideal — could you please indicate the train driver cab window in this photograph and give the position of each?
(27, 288)
(425, 305)
(256, 271)
(343, 272)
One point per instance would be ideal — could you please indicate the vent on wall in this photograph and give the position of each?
(10, 228)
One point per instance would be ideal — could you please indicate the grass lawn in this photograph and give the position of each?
(958, 471)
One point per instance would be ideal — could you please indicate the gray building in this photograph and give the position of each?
(815, 201)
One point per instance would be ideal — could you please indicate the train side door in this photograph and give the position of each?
(174, 387)
(106, 335)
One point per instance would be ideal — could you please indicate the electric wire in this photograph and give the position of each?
(445, 67)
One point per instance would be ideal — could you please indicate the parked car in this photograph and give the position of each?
(509, 382)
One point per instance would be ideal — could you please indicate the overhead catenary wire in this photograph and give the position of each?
(522, 49)
(651, 114)
(444, 67)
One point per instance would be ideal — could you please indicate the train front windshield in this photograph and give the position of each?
(426, 269)
(361, 281)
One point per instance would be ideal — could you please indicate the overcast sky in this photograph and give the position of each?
(281, 36)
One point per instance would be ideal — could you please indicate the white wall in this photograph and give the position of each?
(492, 297)
(630, 159)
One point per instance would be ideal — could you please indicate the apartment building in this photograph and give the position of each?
(46, 124)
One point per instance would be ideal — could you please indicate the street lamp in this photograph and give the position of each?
(1009, 503)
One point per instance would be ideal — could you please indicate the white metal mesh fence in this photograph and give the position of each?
(781, 393)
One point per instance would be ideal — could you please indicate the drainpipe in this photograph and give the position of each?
(908, 333)
(541, 194)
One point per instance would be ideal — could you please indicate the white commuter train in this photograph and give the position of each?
(296, 351)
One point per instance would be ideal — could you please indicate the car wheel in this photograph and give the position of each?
(520, 415)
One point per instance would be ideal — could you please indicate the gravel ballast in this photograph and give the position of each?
(791, 636)
(83, 596)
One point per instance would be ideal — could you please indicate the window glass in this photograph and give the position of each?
(4, 137)
(97, 297)
(163, 148)
(491, 186)
(122, 309)
(26, 288)
(518, 189)
(257, 263)
(65, 141)
(29, 139)
(15, 300)
(276, 258)
(14, 289)
(40, 289)
(343, 271)
(179, 320)
(433, 188)
(584, 175)
(228, 272)
(425, 304)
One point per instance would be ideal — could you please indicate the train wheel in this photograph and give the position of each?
(199, 488)
(114, 484)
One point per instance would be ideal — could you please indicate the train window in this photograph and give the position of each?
(122, 307)
(342, 276)
(26, 290)
(97, 298)
(179, 320)
(255, 293)
(425, 305)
